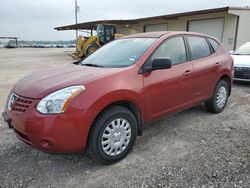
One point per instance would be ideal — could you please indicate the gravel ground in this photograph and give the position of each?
(190, 149)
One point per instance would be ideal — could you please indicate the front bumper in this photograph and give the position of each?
(61, 133)
(242, 73)
(7, 119)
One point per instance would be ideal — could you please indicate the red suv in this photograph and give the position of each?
(102, 103)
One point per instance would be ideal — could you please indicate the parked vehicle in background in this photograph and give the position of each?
(9, 46)
(1, 46)
(242, 62)
(59, 46)
(72, 45)
(105, 33)
(102, 104)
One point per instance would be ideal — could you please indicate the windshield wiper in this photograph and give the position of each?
(92, 65)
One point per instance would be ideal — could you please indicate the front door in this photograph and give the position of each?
(171, 89)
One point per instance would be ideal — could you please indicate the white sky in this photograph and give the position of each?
(35, 20)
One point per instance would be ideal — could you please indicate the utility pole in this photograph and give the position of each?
(76, 10)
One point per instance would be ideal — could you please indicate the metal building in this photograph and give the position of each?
(230, 25)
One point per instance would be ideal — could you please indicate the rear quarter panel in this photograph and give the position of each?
(227, 64)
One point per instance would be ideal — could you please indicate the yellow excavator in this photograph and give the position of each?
(86, 46)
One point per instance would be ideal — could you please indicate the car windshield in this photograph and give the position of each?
(243, 50)
(119, 53)
(99, 30)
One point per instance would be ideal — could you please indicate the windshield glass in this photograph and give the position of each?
(243, 50)
(119, 53)
(100, 30)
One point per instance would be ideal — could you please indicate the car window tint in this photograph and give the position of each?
(214, 44)
(199, 47)
(173, 48)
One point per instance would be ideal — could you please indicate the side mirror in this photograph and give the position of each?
(161, 63)
(156, 64)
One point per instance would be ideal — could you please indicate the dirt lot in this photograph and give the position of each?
(190, 149)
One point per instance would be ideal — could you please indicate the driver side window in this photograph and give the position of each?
(173, 48)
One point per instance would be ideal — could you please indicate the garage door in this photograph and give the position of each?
(156, 27)
(213, 27)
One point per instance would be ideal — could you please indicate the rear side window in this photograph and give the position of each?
(173, 48)
(214, 44)
(199, 47)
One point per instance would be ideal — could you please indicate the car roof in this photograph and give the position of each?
(159, 34)
(156, 34)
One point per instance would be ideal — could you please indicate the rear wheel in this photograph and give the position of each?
(91, 48)
(219, 100)
(113, 135)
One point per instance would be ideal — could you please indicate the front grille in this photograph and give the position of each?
(242, 72)
(21, 104)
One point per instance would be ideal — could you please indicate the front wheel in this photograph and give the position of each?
(91, 48)
(219, 100)
(113, 135)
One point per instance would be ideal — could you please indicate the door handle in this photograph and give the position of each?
(187, 73)
(217, 64)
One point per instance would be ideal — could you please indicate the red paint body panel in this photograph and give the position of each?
(155, 94)
(168, 90)
(39, 84)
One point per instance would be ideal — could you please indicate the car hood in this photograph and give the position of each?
(241, 60)
(40, 84)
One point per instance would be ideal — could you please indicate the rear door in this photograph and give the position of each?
(206, 65)
(169, 89)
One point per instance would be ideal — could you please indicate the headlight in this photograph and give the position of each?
(58, 101)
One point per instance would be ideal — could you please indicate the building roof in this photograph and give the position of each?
(92, 25)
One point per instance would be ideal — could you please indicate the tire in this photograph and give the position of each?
(106, 134)
(219, 100)
(91, 48)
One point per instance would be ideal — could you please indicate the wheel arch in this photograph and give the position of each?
(227, 79)
(131, 106)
